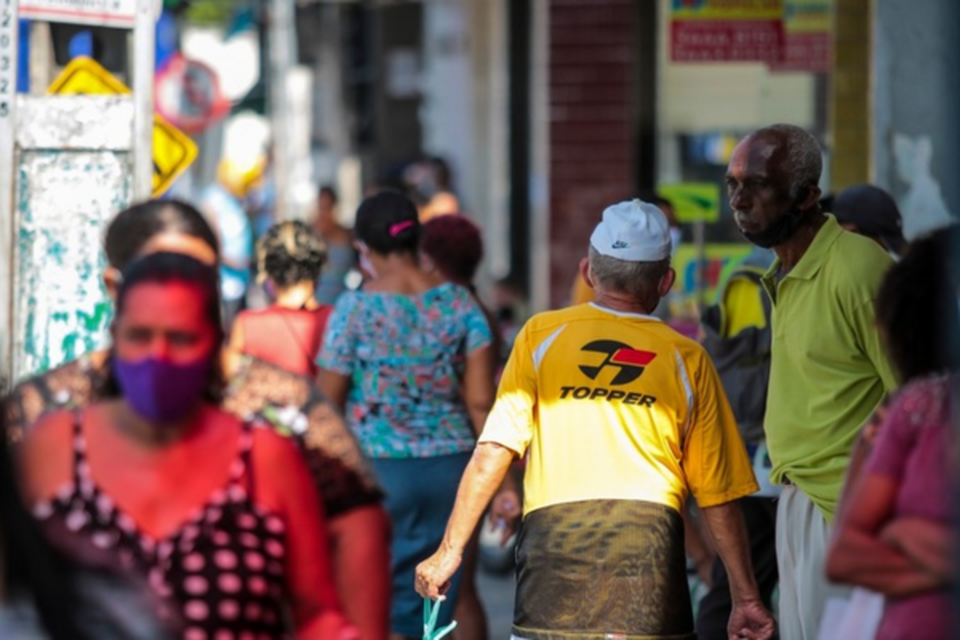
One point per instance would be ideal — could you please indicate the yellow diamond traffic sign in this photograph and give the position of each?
(173, 150)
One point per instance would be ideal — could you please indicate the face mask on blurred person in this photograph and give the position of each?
(160, 391)
(365, 262)
(675, 237)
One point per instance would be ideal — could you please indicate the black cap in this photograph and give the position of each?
(873, 212)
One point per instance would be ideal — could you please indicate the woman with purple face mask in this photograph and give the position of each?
(291, 405)
(179, 491)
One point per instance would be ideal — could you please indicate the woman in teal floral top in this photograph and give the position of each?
(407, 359)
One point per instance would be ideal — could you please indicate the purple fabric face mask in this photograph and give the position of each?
(161, 391)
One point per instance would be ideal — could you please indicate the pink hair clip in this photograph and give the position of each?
(396, 229)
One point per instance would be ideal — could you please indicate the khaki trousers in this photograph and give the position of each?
(802, 538)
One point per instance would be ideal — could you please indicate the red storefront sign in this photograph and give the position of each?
(726, 40)
(806, 52)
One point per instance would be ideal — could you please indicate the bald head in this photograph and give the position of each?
(772, 182)
(796, 152)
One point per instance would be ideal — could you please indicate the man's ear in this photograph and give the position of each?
(666, 282)
(810, 198)
(111, 281)
(585, 271)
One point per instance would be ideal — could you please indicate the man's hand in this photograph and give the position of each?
(434, 573)
(750, 620)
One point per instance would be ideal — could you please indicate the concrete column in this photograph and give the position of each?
(916, 99)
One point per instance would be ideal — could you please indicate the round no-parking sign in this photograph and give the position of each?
(188, 94)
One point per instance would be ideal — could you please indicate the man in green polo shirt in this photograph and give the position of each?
(828, 370)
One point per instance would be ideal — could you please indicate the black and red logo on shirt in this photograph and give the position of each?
(629, 362)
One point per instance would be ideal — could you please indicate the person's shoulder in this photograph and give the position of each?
(458, 296)
(72, 384)
(687, 348)
(52, 428)
(46, 453)
(857, 260)
(926, 394)
(350, 299)
(550, 321)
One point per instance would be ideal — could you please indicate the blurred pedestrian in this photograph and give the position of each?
(429, 183)
(288, 333)
(828, 370)
(871, 212)
(292, 405)
(896, 533)
(341, 256)
(186, 495)
(737, 334)
(453, 247)
(620, 417)
(221, 203)
(408, 359)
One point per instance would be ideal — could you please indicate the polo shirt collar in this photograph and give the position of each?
(812, 260)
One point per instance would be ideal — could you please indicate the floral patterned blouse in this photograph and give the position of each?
(405, 357)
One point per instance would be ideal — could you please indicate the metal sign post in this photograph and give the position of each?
(143, 65)
(282, 41)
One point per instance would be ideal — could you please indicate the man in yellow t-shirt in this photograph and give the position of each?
(620, 417)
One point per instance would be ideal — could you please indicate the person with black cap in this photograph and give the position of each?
(871, 212)
(620, 417)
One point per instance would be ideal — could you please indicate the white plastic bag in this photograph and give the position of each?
(854, 618)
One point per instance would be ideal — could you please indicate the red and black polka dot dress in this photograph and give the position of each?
(220, 576)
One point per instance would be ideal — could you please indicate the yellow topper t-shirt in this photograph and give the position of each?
(617, 406)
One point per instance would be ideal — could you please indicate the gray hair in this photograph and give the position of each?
(636, 279)
(804, 157)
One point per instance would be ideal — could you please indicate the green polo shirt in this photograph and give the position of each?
(828, 371)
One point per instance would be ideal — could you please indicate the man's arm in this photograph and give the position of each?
(484, 474)
(749, 618)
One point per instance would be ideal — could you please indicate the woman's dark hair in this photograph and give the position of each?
(916, 306)
(33, 569)
(330, 192)
(135, 226)
(162, 268)
(291, 252)
(455, 245)
(387, 222)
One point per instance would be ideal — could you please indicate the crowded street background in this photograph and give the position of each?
(476, 319)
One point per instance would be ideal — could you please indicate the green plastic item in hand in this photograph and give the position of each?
(430, 612)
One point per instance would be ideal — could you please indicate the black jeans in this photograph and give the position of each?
(760, 515)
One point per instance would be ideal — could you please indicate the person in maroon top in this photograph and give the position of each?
(287, 333)
(896, 527)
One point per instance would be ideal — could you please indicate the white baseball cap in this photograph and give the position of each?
(634, 231)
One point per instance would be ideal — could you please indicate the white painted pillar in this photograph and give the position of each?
(8, 107)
